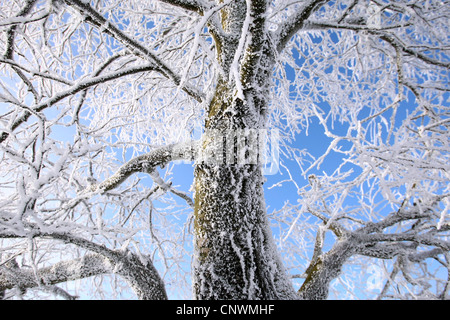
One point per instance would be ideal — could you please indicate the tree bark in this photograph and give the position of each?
(87, 266)
(235, 256)
(142, 277)
(139, 272)
(325, 269)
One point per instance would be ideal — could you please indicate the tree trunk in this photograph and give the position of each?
(235, 257)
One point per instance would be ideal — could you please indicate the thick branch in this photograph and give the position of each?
(87, 266)
(372, 242)
(426, 239)
(392, 219)
(385, 250)
(326, 268)
(190, 5)
(139, 273)
(256, 16)
(296, 22)
(148, 162)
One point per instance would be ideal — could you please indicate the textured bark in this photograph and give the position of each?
(142, 277)
(87, 266)
(235, 258)
(325, 269)
(235, 254)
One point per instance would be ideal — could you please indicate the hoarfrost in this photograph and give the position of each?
(97, 103)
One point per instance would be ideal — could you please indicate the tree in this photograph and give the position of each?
(101, 99)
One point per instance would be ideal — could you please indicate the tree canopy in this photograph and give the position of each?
(107, 106)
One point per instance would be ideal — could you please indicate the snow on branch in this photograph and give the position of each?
(192, 5)
(79, 86)
(94, 17)
(296, 22)
(87, 266)
(407, 50)
(22, 20)
(147, 163)
(382, 33)
(138, 271)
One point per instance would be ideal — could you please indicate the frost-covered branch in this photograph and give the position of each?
(139, 272)
(80, 86)
(168, 187)
(87, 266)
(134, 46)
(382, 33)
(192, 5)
(293, 24)
(147, 163)
(416, 244)
(325, 269)
(255, 32)
(411, 52)
(9, 52)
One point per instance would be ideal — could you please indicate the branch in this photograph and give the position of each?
(348, 10)
(33, 72)
(80, 86)
(94, 17)
(148, 162)
(256, 17)
(390, 38)
(296, 22)
(190, 5)
(22, 20)
(139, 273)
(391, 219)
(326, 268)
(10, 36)
(397, 44)
(87, 266)
(385, 250)
(422, 239)
(168, 187)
